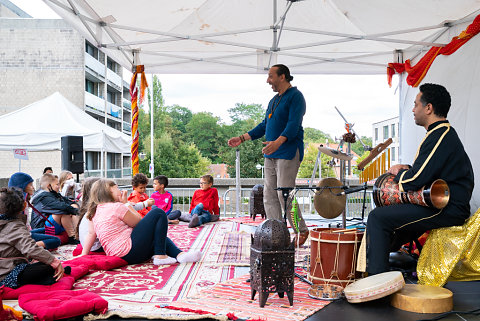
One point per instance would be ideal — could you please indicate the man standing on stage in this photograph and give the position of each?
(283, 151)
(440, 156)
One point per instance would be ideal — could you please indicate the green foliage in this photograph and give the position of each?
(308, 163)
(359, 159)
(245, 117)
(206, 132)
(174, 160)
(312, 135)
(357, 147)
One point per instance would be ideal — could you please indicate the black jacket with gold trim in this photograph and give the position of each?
(441, 155)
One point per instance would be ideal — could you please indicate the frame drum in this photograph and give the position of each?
(374, 287)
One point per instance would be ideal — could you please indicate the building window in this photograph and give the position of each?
(92, 161)
(376, 134)
(89, 86)
(393, 130)
(110, 97)
(111, 65)
(392, 154)
(90, 49)
(385, 132)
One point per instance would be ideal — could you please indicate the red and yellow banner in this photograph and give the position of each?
(136, 100)
(417, 73)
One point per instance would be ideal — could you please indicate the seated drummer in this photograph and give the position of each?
(440, 156)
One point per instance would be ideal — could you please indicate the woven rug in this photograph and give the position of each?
(235, 249)
(172, 282)
(234, 296)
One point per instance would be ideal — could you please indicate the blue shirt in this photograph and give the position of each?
(287, 112)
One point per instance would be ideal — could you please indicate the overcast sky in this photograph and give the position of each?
(363, 100)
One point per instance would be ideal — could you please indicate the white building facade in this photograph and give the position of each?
(385, 129)
(42, 56)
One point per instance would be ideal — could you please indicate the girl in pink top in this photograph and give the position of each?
(123, 233)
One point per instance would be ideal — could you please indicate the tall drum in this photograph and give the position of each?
(387, 192)
(334, 255)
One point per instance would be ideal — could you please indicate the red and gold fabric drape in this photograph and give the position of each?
(137, 99)
(417, 73)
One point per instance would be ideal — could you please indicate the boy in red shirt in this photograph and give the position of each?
(139, 199)
(204, 206)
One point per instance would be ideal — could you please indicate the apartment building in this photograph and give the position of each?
(384, 130)
(43, 56)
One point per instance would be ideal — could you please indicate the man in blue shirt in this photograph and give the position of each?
(283, 151)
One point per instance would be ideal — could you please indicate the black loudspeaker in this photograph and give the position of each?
(72, 154)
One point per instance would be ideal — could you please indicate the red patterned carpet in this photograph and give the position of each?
(233, 296)
(138, 277)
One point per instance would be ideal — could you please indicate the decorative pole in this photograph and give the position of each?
(137, 69)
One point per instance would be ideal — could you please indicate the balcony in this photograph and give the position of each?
(94, 102)
(127, 127)
(114, 110)
(115, 79)
(94, 65)
(126, 104)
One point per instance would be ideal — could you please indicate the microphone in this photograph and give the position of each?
(352, 190)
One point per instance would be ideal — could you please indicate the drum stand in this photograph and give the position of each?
(285, 193)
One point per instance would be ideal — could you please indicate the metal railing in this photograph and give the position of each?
(183, 196)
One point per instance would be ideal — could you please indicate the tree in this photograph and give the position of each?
(244, 118)
(207, 134)
(357, 147)
(242, 112)
(174, 160)
(312, 135)
(308, 163)
(180, 116)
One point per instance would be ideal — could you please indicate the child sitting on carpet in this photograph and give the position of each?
(56, 207)
(204, 206)
(124, 233)
(82, 227)
(164, 199)
(17, 247)
(24, 182)
(68, 187)
(139, 199)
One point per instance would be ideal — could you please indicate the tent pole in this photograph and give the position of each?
(101, 156)
(238, 186)
(151, 168)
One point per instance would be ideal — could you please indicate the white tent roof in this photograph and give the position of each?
(240, 36)
(40, 126)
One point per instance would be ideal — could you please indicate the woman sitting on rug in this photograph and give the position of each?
(17, 248)
(122, 231)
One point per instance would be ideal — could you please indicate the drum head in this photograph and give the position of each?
(374, 287)
(326, 201)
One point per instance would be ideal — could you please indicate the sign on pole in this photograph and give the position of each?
(20, 154)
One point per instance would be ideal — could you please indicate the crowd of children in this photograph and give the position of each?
(99, 216)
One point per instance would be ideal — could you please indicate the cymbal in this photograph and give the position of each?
(326, 202)
(334, 153)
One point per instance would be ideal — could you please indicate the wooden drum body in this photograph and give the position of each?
(333, 256)
(387, 192)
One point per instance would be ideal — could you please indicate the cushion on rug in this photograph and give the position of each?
(96, 262)
(64, 283)
(78, 250)
(62, 304)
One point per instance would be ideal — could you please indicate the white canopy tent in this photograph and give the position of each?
(40, 126)
(460, 74)
(310, 36)
(238, 36)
